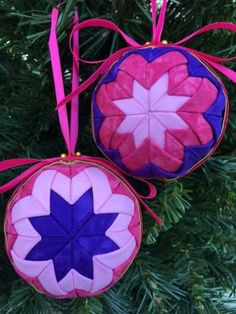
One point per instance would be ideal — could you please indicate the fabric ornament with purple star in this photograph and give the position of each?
(159, 113)
(72, 230)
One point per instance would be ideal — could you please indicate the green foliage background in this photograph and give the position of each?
(189, 265)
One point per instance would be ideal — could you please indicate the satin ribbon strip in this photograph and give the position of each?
(213, 61)
(69, 130)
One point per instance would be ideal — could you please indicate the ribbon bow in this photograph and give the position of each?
(69, 128)
(215, 62)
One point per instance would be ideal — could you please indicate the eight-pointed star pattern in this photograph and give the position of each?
(71, 235)
(72, 232)
(151, 111)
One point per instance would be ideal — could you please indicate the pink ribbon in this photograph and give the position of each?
(69, 128)
(158, 26)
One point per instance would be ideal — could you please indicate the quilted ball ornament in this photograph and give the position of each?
(72, 229)
(159, 112)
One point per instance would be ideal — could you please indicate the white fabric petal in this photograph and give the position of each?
(29, 268)
(171, 121)
(62, 186)
(117, 203)
(130, 106)
(170, 103)
(102, 276)
(73, 280)
(101, 187)
(27, 207)
(42, 188)
(25, 228)
(157, 132)
(141, 132)
(141, 94)
(158, 90)
(116, 258)
(80, 185)
(48, 280)
(23, 245)
(119, 237)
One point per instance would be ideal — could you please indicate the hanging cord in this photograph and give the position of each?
(70, 131)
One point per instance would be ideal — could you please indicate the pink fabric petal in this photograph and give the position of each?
(108, 129)
(199, 102)
(186, 137)
(173, 146)
(199, 125)
(163, 160)
(105, 103)
(129, 65)
(177, 75)
(122, 87)
(162, 65)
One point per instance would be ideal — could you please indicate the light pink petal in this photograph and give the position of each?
(141, 132)
(67, 283)
(101, 187)
(171, 121)
(170, 103)
(81, 282)
(48, 280)
(129, 106)
(102, 276)
(23, 245)
(73, 280)
(62, 186)
(158, 90)
(121, 223)
(117, 203)
(130, 124)
(29, 268)
(25, 228)
(116, 258)
(42, 188)
(119, 237)
(80, 184)
(142, 95)
(27, 207)
(157, 132)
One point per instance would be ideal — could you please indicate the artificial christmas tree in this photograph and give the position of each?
(188, 265)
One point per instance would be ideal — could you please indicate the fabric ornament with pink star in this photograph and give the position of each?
(73, 227)
(160, 110)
